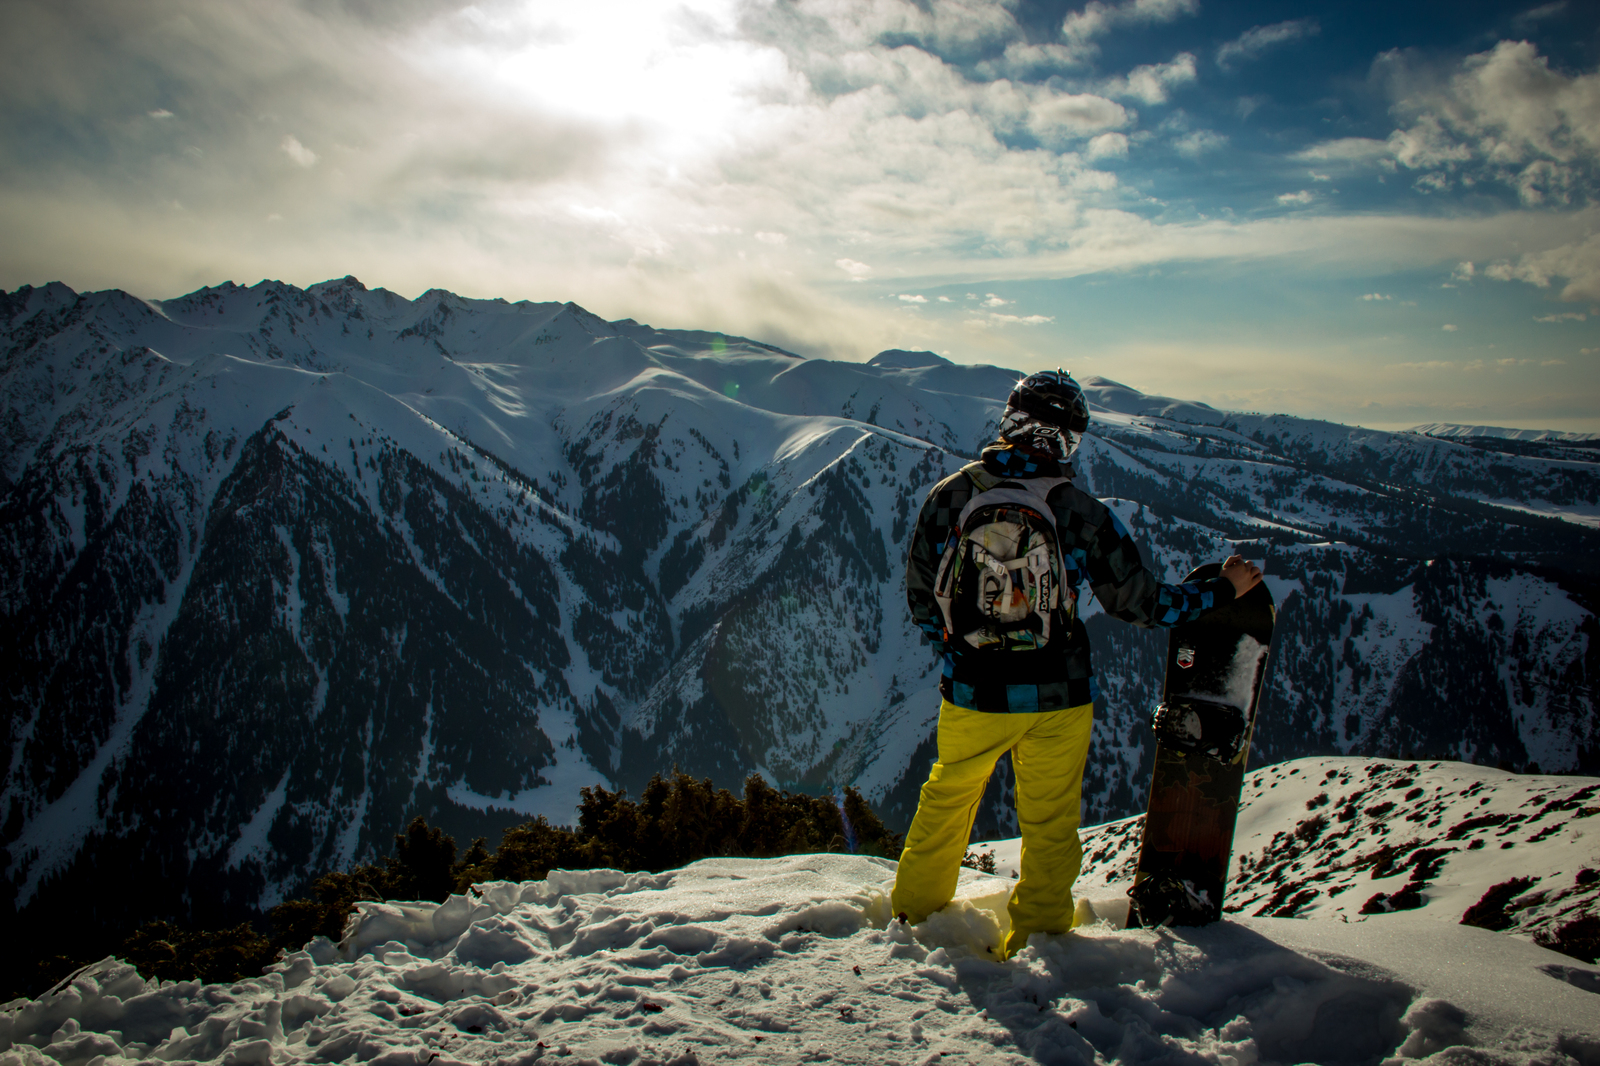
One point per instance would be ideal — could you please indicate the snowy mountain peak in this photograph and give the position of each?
(900, 359)
(1110, 395)
(1450, 429)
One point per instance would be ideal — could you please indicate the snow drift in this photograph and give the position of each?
(797, 960)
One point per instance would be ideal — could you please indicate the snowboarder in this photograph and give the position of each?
(997, 557)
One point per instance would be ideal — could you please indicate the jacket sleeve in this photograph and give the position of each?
(1128, 591)
(922, 562)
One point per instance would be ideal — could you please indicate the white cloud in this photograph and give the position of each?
(1097, 19)
(298, 152)
(1578, 262)
(945, 300)
(1566, 316)
(858, 271)
(1552, 362)
(1057, 117)
(1303, 197)
(769, 237)
(160, 112)
(1375, 296)
(1503, 115)
(995, 301)
(1346, 150)
(1198, 142)
(1448, 328)
(1152, 82)
(1108, 146)
(1431, 364)
(913, 299)
(1252, 42)
(995, 318)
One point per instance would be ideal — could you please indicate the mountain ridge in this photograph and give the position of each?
(669, 547)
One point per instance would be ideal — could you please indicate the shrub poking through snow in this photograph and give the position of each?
(1490, 911)
(1579, 938)
(979, 860)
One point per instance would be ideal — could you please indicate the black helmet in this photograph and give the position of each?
(1052, 396)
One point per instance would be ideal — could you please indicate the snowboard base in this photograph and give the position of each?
(1203, 729)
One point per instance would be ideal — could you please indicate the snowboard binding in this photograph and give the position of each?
(1201, 727)
(1166, 900)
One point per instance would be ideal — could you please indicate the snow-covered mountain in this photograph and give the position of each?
(797, 960)
(284, 567)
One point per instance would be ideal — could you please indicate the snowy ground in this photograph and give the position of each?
(795, 960)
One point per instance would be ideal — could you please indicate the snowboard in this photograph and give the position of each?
(1203, 728)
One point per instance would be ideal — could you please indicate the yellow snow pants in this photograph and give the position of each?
(1048, 749)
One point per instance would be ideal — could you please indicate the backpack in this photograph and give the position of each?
(999, 583)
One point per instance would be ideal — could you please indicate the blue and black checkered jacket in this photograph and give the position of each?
(1097, 550)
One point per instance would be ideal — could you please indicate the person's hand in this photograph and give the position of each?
(1243, 574)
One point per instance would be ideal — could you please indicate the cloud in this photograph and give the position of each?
(1431, 364)
(1256, 40)
(1056, 117)
(1198, 142)
(1346, 150)
(910, 299)
(992, 300)
(1303, 197)
(1375, 296)
(1578, 262)
(1151, 83)
(995, 318)
(1566, 316)
(298, 152)
(1501, 116)
(769, 237)
(1108, 146)
(159, 112)
(1552, 362)
(1096, 19)
(945, 300)
(1505, 115)
(1448, 328)
(858, 271)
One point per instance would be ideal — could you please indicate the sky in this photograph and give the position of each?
(1375, 213)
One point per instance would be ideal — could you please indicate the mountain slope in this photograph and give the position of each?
(286, 567)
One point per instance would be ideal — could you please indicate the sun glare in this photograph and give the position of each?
(678, 78)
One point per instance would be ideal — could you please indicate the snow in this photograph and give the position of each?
(1449, 429)
(797, 959)
(1578, 513)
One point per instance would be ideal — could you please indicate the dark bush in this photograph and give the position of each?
(1579, 938)
(1490, 911)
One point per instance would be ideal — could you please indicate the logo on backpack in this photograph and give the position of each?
(999, 583)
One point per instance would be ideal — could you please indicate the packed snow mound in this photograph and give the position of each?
(797, 960)
(1353, 839)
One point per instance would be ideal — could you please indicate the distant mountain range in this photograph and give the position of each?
(284, 567)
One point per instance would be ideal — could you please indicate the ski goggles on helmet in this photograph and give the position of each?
(1020, 428)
